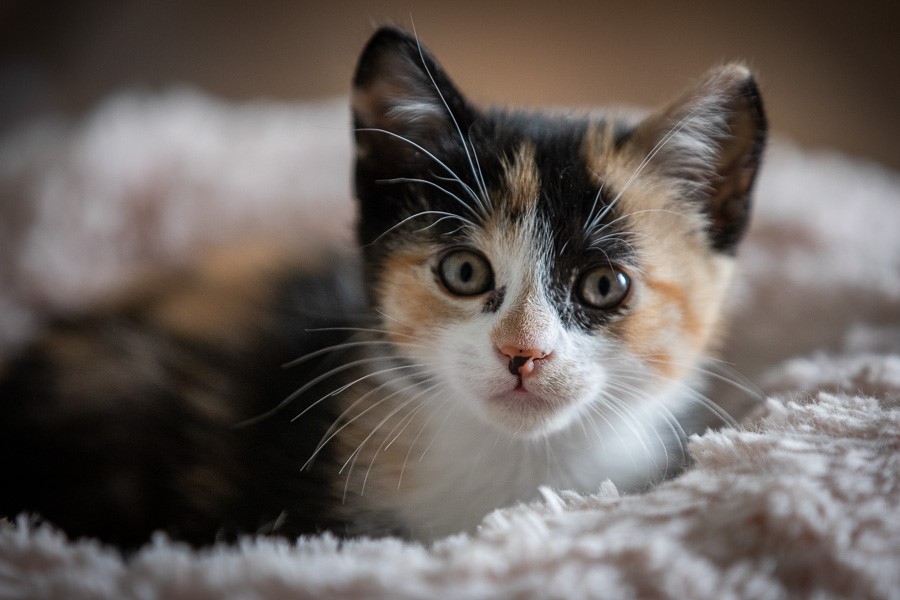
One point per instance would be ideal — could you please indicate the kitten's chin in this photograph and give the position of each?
(525, 413)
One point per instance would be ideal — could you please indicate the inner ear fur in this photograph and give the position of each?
(402, 91)
(710, 141)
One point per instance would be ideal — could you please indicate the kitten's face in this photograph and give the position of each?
(540, 268)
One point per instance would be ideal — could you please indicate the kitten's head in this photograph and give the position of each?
(541, 267)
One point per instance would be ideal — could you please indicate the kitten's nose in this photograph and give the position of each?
(521, 360)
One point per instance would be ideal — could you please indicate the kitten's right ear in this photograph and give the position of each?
(402, 98)
(710, 140)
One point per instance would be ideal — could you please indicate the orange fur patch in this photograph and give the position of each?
(226, 296)
(522, 180)
(596, 150)
(412, 304)
(679, 294)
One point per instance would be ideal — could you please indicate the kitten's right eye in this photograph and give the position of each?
(466, 273)
(604, 287)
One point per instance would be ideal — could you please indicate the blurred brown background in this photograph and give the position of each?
(829, 70)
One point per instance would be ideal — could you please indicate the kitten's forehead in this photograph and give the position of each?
(521, 182)
(553, 215)
(556, 168)
(553, 164)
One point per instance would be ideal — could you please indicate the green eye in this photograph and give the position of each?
(466, 273)
(603, 287)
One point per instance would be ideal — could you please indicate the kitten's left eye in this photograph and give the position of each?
(466, 273)
(603, 287)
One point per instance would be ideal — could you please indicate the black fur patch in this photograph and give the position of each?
(495, 300)
(161, 451)
(730, 221)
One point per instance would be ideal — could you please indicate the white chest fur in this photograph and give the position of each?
(468, 468)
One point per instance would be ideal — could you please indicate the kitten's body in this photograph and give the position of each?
(541, 292)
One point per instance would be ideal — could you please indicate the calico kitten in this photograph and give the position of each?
(540, 294)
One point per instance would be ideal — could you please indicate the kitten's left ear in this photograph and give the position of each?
(402, 98)
(711, 140)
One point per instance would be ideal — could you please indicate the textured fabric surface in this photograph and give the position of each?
(802, 500)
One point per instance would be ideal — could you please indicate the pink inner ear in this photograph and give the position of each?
(400, 88)
(398, 102)
(396, 87)
(711, 138)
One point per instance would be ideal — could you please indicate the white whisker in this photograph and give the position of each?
(384, 444)
(598, 410)
(345, 345)
(649, 157)
(478, 174)
(695, 395)
(452, 117)
(424, 213)
(436, 186)
(305, 387)
(370, 330)
(668, 417)
(354, 456)
(334, 430)
(438, 431)
(450, 171)
(354, 382)
(640, 429)
(412, 444)
(590, 217)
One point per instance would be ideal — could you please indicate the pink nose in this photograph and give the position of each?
(521, 360)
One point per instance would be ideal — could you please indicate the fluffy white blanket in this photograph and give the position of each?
(803, 501)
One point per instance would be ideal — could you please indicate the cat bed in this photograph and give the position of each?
(802, 500)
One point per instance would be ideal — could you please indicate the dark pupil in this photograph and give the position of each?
(465, 272)
(604, 285)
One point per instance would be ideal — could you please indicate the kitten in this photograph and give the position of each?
(536, 297)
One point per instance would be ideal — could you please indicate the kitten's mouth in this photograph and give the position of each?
(521, 399)
(523, 412)
(526, 405)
